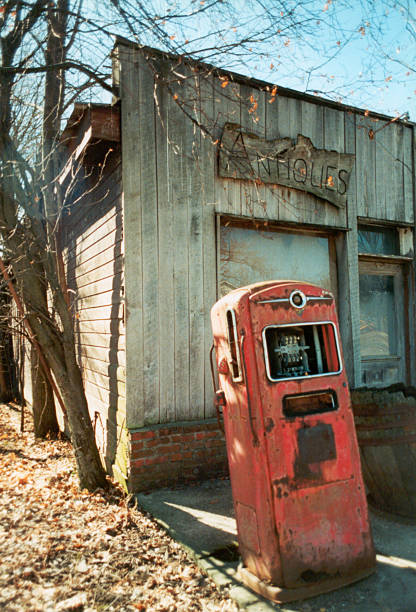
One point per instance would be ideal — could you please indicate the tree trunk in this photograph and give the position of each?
(58, 348)
(54, 333)
(90, 469)
(31, 244)
(43, 404)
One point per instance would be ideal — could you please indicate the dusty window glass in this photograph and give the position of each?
(378, 329)
(378, 241)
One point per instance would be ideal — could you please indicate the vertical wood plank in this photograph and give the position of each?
(271, 192)
(178, 178)
(313, 128)
(385, 189)
(150, 261)
(253, 120)
(286, 129)
(365, 168)
(166, 341)
(195, 228)
(408, 175)
(397, 207)
(210, 297)
(208, 205)
(412, 285)
(226, 110)
(348, 278)
(334, 140)
(313, 123)
(131, 135)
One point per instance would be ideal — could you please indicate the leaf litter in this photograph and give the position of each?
(65, 549)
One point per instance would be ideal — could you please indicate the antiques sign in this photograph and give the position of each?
(324, 173)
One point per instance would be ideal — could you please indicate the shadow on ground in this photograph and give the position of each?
(202, 518)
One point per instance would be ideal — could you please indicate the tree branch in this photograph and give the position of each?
(68, 65)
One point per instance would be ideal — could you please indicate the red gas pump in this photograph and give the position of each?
(295, 472)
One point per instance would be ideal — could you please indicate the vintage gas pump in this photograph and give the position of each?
(294, 463)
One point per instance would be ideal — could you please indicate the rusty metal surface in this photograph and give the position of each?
(299, 475)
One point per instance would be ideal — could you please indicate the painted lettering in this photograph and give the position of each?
(331, 177)
(283, 168)
(263, 165)
(343, 190)
(317, 184)
(294, 164)
(300, 170)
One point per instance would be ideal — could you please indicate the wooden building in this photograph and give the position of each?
(208, 181)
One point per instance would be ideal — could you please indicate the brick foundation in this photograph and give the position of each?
(166, 455)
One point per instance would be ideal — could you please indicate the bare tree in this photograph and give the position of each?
(35, 40)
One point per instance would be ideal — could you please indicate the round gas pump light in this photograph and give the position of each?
(297, 299)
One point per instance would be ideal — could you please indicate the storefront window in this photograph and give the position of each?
(382, 332)
(378, 333)
(378, 240)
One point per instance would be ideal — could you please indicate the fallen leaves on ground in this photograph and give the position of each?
(65, 549)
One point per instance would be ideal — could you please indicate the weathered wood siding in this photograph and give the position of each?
(172, 196)
(94, 261)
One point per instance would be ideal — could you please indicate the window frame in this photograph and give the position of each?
(309, 376)
(397, 267)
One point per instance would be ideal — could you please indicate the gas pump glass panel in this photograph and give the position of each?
(301, 351)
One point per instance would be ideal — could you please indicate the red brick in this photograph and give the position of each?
(137, 444)
(198, 444)
(164, 432)
(140, 435)
(187, 455)
(175, 457)
(187, 437)
(210, 443)
(201, 435)
(211, 426)
(158, 459)
(144, 453)
(170, 448)
(153, 442)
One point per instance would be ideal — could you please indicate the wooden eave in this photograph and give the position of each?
(91, 122)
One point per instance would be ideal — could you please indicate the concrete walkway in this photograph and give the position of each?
(201, 518)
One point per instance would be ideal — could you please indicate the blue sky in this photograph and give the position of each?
(373, 56)
(359, 52)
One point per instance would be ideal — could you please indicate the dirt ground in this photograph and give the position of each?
(64, 549)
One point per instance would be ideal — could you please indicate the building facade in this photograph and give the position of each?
(210, 181)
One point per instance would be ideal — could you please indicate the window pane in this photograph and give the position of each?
(378, 241)
(378, 334)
